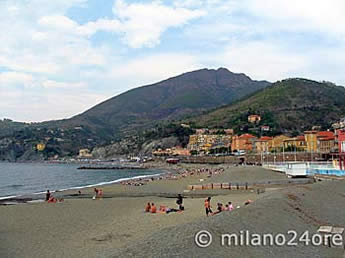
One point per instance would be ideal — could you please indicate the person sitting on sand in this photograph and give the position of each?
(153, 208)
(52, 199)
(148, 207)
(248, 202)
(47, 195)
(219, 209)
(208, 206)
(168, 210)
(162, 208)
(100, 193)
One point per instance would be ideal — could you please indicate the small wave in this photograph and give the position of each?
(111, 182)
(8, 197)
(84, 186)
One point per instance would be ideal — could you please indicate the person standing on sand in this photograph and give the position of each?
(208, 206)
(179, 202)
(96, 193)
(47, 195)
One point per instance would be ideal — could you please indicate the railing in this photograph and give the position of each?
(306, 168)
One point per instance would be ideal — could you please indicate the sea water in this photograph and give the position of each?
(18, 179)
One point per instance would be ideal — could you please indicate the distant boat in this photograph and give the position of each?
(172, 161)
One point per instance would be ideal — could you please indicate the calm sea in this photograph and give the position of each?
(28, 178)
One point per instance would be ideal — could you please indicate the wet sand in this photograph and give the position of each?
(117, 225)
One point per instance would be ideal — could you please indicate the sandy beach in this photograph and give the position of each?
(117, 225)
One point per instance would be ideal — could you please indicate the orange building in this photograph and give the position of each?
(243, 142)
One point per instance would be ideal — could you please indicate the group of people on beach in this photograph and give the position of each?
(220, 207)
(151, 207)
(174, 176)
(198, 171)
(51, 199)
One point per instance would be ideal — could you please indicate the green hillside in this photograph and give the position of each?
(291, 105)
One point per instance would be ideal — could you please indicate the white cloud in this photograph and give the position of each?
(15, 78)
(143, 24)
(327, 16)
(63, 85)
(261, 60)
(39, 106)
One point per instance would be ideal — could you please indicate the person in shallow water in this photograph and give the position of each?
(47, 195)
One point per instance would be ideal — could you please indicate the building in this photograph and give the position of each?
(206, 142)
(311, 141)
(229, 131)
(265, 128)
(340, 124)
(254, 118)
(295, 144)
(174, 151)
(244, 142)
(341, 140)
(277, 143)
(261, 144)
(84, 153)
(327, 144)
(40, 147)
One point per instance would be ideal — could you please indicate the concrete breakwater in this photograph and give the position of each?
(111, 167)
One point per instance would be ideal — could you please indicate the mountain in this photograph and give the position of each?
(121, 119)
(288, 106)
(186, 94)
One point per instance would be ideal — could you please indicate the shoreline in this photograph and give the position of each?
(23, 198)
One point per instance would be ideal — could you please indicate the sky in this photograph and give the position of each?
(60, 57)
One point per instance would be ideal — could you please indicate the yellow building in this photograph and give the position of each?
(261, 145)
(205, 142)
(40, 147)
(85, 153)
(298, 143)
(254, 118)
(277, 143)
(311, 141)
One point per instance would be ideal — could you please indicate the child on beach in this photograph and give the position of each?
(231, 207)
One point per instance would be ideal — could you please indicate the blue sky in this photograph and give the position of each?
(61, 57)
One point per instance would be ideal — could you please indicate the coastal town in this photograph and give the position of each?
(218, 142)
